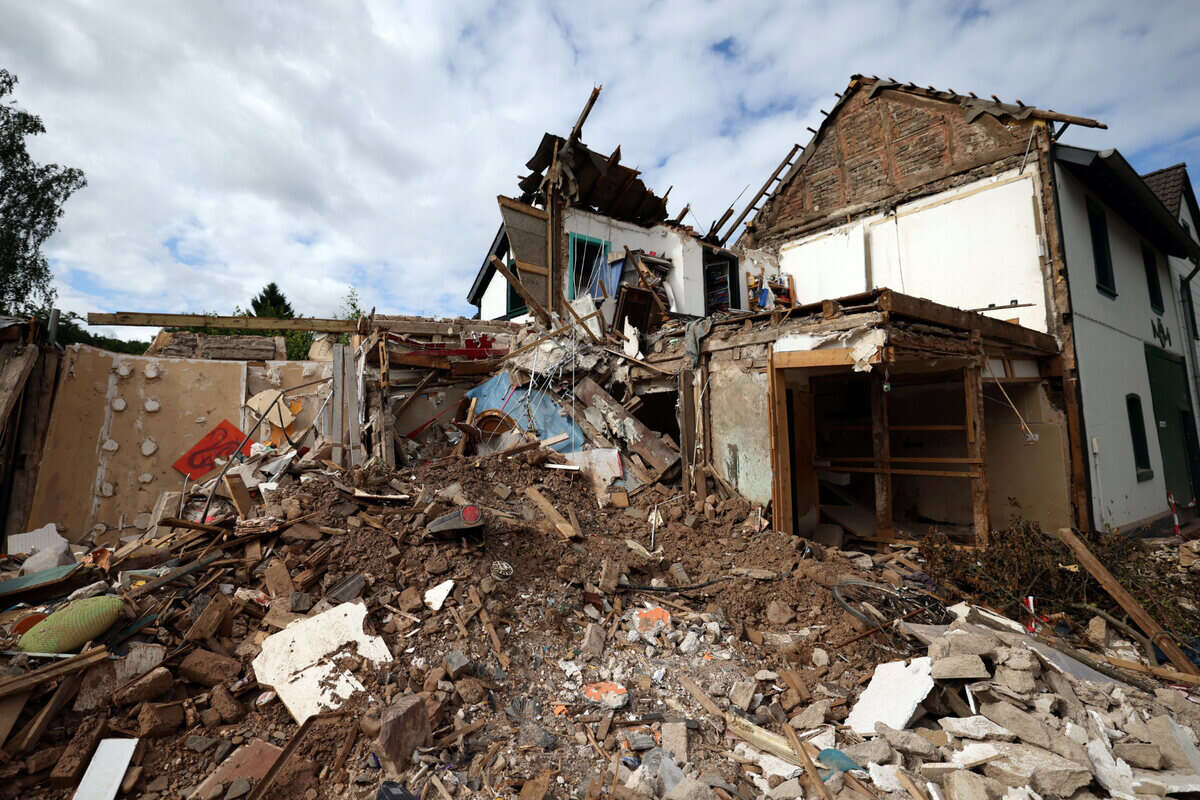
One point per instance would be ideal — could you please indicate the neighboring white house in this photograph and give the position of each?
(1130, 341)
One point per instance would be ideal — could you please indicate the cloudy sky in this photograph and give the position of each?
(362, 142)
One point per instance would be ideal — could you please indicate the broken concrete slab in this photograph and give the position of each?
(875, 750)
(154, 683)
(675, 740)
(1027, 727)
(962, 784)
(297, 662)
(1174, 743)
(79, 751)
(906, 741)
(1026, 765)
(893, 695)
(954, 667)
(251, 761)
(976, 727)
(1139, 754)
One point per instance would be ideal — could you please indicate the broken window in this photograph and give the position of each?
(1150, 262)
(1105, 281)
(587, 256)
(1137, 431)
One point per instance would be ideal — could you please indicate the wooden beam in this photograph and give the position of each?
(825, 357)
(1128, 602)
(781, 452)
(1171, 675)
(551, 513)
(687, 427)
(919, 308)
(233, 323)
(517, 205)
(882, 451)
(534, 306)
(413, 394)
(977, 452)
(12, 379)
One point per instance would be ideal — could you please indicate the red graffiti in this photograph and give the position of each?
(220, 442)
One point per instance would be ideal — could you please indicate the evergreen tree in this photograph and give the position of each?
(271, 302)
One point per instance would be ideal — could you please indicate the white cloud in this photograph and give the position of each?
(328, 144)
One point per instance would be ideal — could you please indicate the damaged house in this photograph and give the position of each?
(975, 204)
(965, 321)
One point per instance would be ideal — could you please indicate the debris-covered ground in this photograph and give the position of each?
(531, 653)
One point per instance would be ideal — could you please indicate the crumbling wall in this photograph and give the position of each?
(120, 422)
(741, 437)
(1027, 479)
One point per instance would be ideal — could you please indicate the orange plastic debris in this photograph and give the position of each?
(560, 710)
(598, 691)
(651, 620)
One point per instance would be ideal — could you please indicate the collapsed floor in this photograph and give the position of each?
(564, 648)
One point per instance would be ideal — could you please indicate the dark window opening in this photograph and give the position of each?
(1137, 431)
(1189, 306)
(1106, 282)
(658, 411)
(587, 256)
(721, 287)
(516, 305)
(1150, 262)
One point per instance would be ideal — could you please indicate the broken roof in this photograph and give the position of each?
(594, 181)
(971, 106)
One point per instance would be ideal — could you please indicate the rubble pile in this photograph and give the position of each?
(507, 617)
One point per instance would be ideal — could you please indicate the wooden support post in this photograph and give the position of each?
(781, 451)
(700, 452)
(687, 426)
(977, 449)
(387, 447)
(882, 450)
(461, 447)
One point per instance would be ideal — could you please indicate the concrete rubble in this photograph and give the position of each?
(491, 620)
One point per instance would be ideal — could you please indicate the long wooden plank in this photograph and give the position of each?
(239, 494)
(781, 455)
(50, 672)
(977, 449)
(144, 320)
(31, 734)
(547, 508)
(920, 308)
(1161, 672)
(825, 357)
(881, 444)
(1128, 602)
(658, 451)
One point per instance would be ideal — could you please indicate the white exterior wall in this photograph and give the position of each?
(967, 247)
(1110, 334)
(686, 279)
(494, 303)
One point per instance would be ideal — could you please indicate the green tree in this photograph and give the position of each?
(271, 302)
(350, 308)
(31, 201)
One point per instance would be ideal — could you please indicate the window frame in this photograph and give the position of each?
(1153, 282)
(1189, 307)
(514, 304)
(1138, 437)
(572, 238)
(1101, 249)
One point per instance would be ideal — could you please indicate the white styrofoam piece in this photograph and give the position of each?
(106, 770)
(296, 661)
(435, 597)
(892, 696)
(34, 540)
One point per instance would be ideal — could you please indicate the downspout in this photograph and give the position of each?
(1084, 443)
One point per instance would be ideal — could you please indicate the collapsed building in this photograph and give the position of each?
(664, 496)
